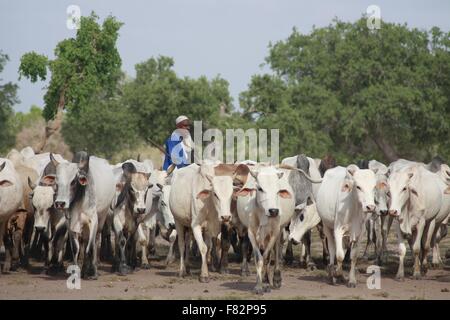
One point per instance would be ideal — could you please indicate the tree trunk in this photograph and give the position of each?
(54, 125)
(388, 151)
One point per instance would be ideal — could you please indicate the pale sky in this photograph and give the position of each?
(205, 37)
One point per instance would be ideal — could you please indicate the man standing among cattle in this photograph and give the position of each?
(179, 145)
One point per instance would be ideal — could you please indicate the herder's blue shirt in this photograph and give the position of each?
(176, 156)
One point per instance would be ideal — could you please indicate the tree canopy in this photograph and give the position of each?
(8, 98)
(354, 92)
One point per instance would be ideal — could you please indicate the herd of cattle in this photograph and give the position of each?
(87, 209)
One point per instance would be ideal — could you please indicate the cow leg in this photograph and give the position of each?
(378, 241)
(277, 268)
(289, 255)
(197, 230)
(91, 249)
(225, 247)
(143, 242)
(332, 253)
(235, 244)
(354, 257)
(416, 248)
(427, 238)
(308, 258)
(340, 255)
(121, 251)
(369, 238)
(7, 241)
(172, 240)
(401, 253)
(258, 263)
(245, 271)
(324, 243)
(181, 248)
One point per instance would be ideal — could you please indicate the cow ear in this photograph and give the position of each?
(414, 191)
(244, 192)
(309, 201)
(381, 185)
(284, 194)
(2, 166)
(280, 175)
(203, 194)
(53, 160)
(351, 169)
(5, 183)
(119, 186)
(48, 180)
(347, 186)
(447, 191)
(31, 184)
(83, 180)
(410, 175)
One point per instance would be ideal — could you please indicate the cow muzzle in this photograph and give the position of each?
(394, 213)
(225, 219)
(274, 212)
(140, 211)
(60, 204)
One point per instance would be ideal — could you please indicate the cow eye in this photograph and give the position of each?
(260, 189)
(404, 189)
(388, 194)
(359, 188)
(163, 203)
(302, 217)
(150, 186)
(216, 195)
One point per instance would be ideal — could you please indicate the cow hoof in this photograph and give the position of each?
(6, 268)
(93, 277)
(145, 266)
(277, 279)
(266, 288)
(224, 271)
(417, 276)
(351, 284)
(311, 266)
(204, 279)
(333, 281)
(123, 270)
(424, 270)
(245, 273)
(258, 290)
(399, 277)
(437, 265)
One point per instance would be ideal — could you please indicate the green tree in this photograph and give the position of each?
(8, 98)
(355, 92)
(85, 67)
(157, 96)
(103, 127)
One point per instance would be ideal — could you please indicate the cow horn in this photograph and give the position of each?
(138, 158)
(53, 160)
(31, 184)
(170, 169)
(2, 166)
(285, 166)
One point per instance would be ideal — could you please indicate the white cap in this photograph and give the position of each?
(180, 119)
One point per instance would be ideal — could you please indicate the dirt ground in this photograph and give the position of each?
(163, 283)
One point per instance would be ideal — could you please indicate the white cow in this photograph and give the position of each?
(11, 191)
(85, 191)
(378, 225)
(266, 204)
(129, 210)
(345, 201)
(416, 201)
(199, 199)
